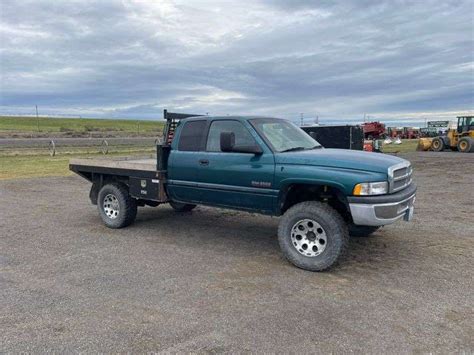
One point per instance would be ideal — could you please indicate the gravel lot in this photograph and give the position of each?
(215, 281)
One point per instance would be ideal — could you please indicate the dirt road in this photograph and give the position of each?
(215, 281)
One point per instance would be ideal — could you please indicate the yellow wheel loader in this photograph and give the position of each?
(461, 138)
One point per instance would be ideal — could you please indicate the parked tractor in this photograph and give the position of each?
(373, 130)
(461, 138)
(410, 133)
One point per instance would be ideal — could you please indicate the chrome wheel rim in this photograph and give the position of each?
(308, 237)
(111, 206)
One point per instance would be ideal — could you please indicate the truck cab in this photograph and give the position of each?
(270, 166)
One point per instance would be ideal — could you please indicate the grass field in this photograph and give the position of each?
(408, 145)
(49, 124)
(29, 166)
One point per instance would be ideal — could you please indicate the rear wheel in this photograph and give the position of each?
(361, 231)
(182, 207)
(466, 145)
(312, 235)
(116, 207)
(437, 145)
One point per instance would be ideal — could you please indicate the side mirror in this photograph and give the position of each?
(227, 141)
(228, 145)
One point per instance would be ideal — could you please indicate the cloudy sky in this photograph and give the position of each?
(335, 59)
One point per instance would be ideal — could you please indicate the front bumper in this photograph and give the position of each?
(383, 210)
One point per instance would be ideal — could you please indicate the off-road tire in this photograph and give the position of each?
(182, 207)
(466, 145)
(361, 231)
(437, 144)
(127, 205)
(333, 225)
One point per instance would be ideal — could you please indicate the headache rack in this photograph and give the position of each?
(163, 149)
(172, 120)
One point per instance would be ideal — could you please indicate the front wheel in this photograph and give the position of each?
(116, 207)
(312, 235)
(437, 144)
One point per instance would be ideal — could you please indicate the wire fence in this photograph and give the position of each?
(67, 146)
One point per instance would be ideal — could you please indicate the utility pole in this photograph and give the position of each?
(37, 118)
(301, 118)
(317, 119)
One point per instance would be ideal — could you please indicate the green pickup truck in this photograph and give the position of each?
(261, 165)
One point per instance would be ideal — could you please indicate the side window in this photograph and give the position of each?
(242, 135)
(192, 136)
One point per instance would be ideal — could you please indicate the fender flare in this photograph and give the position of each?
(284, 188)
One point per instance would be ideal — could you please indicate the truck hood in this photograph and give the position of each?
(339, 158)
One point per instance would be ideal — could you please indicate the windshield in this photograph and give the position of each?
(283, 135)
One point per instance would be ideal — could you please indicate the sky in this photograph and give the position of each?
(398, 61)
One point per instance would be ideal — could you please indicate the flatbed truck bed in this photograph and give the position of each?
(145, 181)
(129, 163)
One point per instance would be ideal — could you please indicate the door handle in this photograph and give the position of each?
(203, 162)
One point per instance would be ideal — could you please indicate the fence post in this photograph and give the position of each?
(105, 147)
(52, 148)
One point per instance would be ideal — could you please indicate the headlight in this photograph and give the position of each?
(371, 188)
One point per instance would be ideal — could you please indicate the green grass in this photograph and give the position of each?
(48, 124)
(30, 166)
(408, 145)
(71, 150)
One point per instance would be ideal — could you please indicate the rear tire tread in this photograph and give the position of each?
(470, 145)
(128, 205)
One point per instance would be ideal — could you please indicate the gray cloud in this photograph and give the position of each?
(333, 59)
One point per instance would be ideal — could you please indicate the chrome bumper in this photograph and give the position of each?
(382, 213)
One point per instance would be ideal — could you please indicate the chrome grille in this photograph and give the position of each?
(399, 176)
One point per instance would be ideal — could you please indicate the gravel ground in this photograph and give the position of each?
(215, 281)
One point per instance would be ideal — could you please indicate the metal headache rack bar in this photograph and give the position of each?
(162, 150)
(172, 119)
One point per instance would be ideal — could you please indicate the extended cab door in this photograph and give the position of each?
(183, 162)
(239, 180)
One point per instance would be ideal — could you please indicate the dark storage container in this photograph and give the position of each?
(342, 137)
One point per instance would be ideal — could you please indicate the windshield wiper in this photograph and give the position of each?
(292, 149)
(300, 148)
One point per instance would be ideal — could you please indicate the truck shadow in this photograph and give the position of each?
(253, 234)
(217, 228)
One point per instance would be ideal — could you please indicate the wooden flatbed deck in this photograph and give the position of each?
(128, 163)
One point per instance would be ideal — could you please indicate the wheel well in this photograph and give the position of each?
(100, 180)
(296, 193)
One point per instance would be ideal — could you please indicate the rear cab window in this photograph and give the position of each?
(193, 136)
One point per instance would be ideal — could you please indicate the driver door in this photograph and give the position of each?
(239, 180)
